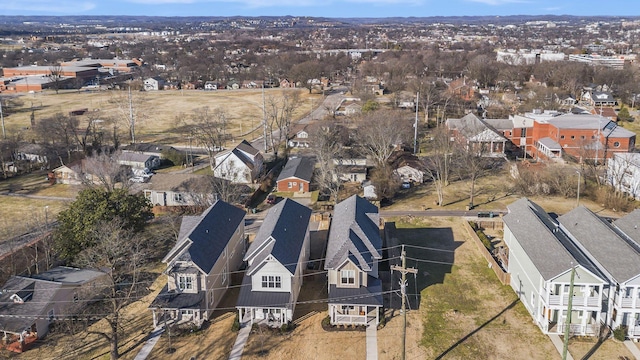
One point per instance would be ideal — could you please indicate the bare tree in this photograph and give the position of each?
(438, 164)
(56, 76)
(471, 163)
(105, 170)
(60, 129)
(208, 129)
(327, 148)
(130, 109)
(380, 132)
(121, 254)
(279, 111)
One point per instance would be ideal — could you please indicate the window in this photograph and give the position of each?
(582, 137)
(523, 132)
(561, 136)
(75, 297)
(573, 137)
(185, 282)
(271, 281)
(290, 185)
(178, 197)
(348, 277)
(51, 315)
(533, 300)
(616, 144)
(224, 274)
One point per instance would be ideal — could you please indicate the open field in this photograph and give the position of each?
(160, 112)
(492, 193)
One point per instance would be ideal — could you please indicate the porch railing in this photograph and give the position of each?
(577, 300)
(628, 303)
(351, 319)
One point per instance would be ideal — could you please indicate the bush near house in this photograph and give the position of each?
(620, 333)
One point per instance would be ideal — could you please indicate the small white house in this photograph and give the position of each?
(242, 165)
(153, 84)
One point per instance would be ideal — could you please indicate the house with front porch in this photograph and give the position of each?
(478, 135)
(617, 257)
(276, 261)
(30, 304)
(354, 249)
(210, 246)
(541, 260)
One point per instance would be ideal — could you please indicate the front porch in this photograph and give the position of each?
(342, 314)
(177, 316)
(273, 317)
(18, 343)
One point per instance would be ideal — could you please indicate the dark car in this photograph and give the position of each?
(271, 199)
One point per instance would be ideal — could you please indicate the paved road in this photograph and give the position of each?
(471, 213)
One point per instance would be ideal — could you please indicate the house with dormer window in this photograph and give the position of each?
(276, 261)
(28, 305)
(354, 249)
(210, 246)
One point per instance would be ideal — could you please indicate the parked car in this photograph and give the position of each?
(271, 199)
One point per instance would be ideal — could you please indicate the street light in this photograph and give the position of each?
(578, 195)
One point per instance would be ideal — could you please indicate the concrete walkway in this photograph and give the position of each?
(150, 343)
(555, 339)
(241, 340)
(633, 349)
(372, 340)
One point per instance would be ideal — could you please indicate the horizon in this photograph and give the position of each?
(337, 9)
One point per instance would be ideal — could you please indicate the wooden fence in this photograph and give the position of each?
(504, 277)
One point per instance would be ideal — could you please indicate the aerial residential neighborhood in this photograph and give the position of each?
(191, 186)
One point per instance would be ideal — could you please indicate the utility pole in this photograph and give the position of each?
(264, 119)
(415, 127)
(4, 134)
(403, 290)
(568, 320)
(132, 121)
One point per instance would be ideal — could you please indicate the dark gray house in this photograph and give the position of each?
(210, 246)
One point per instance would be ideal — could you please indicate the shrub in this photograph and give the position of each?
(174, 157)
(326, 322)
(235, 327)
(485, 240)
(285, 328)
(620, 333)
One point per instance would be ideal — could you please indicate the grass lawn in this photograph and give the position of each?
(163, 111)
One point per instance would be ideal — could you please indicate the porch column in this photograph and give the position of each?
(377, 315)
(155, 319)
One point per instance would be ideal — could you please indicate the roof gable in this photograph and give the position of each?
(207, 237)
(284, 228)
(299, 167)
(354, 234)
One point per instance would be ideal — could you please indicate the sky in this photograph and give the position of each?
(321, 8)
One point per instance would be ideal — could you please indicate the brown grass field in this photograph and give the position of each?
(161, 112)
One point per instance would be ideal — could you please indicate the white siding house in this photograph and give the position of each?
(623, 173)
(541, 259)
(243, 164)
(276, 261)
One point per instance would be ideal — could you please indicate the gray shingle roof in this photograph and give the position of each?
(23, 315)
(209, 236)
(287, 223)
(69, 275)
(247, 147)
(354, 233)
(370, 295)
(247, 297)
(176, 300)
(534, 230)
(603, 243)
(550, 143)
(630, 225)
(299, 167)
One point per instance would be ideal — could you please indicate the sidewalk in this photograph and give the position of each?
(241, 340)
(632, 348)
(555, 339)
(150, 343)
(372, 340)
